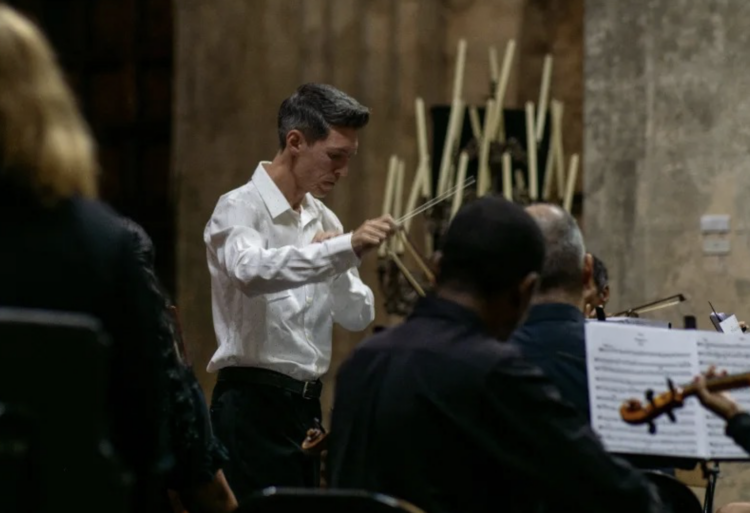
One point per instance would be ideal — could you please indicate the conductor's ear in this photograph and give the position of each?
(294, 141)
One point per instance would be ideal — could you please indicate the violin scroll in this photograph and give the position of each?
(634, 412)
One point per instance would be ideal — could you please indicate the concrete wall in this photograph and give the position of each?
(666, 141)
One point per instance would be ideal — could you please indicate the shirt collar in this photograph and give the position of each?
(275, 201)
(269, 192)
(553, 312)
(434, 306)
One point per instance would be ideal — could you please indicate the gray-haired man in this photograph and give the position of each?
(282, 272)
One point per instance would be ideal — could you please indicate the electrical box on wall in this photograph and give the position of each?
(715, 223)
(716, 246)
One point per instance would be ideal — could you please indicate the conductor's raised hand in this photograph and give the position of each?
(372, 234)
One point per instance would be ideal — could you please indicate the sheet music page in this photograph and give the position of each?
(730, 325)
(623, 362)
(732, 354)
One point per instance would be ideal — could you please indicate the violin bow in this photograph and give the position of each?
(650, 307)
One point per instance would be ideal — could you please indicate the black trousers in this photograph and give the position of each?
(263, 427)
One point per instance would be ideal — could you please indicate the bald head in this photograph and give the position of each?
(565, 252)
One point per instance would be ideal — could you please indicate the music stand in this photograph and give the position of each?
(54, 381)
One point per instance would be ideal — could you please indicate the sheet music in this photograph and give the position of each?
(730, 325)
(732, 354)
(626, 360)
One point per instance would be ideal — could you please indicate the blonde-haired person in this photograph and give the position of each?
(62, 250)
(47, 151)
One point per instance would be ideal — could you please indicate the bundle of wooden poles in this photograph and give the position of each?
(447, 191)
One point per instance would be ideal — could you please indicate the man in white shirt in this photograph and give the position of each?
(282, 272)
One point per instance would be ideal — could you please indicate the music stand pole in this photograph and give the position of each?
(711, 476)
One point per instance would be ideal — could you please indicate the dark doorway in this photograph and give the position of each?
(117, 55)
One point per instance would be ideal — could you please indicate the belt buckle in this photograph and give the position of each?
(304, 389)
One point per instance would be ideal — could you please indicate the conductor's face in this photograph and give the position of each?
(322, 163)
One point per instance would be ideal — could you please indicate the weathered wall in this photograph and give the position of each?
(665, 141)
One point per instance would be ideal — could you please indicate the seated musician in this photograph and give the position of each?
(737, 428)
(437, 411)
(597, 289)
(554, 334)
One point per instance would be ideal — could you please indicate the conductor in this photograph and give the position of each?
(282, 272)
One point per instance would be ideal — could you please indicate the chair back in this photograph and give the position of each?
(54, 379)
(675, 496)
(319, 500)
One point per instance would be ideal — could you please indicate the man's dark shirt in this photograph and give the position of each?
(554, 339)
(437, 412)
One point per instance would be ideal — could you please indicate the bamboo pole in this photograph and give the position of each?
(570, 189)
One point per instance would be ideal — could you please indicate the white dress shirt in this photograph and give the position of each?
(275, 294)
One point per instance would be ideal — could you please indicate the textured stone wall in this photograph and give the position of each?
(666, 141)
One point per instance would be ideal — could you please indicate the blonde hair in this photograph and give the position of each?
(45, 145)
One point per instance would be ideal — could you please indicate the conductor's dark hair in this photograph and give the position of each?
(601, 275)
(490, 247)
(314, 108)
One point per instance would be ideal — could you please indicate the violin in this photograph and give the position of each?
(634, 412)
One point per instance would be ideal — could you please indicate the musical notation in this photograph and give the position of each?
(623, 361)
(732, 354)
(626, 361)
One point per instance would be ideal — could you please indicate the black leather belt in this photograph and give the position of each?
(307, 389)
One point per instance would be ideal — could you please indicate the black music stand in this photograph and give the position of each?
(54, 455)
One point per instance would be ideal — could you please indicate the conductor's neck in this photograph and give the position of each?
(281, 171)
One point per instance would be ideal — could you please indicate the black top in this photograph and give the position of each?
(77, 257)
(439, 413)
(554, 339)
(738, 428)
(198, 454)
